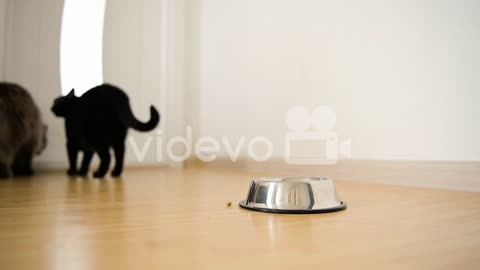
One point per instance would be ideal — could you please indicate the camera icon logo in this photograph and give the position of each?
(311, 139)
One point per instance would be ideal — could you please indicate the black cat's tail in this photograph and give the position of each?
(151, 124)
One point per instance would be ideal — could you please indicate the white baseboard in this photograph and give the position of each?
(464, 176)
(63, 165)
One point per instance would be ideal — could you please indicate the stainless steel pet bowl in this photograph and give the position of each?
(293, 195)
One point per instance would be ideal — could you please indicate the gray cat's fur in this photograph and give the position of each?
(22, 132)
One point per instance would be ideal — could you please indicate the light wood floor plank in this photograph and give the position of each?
(178, 219)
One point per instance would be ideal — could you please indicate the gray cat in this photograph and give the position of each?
(22, 132)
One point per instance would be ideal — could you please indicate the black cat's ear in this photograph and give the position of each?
(72, 93)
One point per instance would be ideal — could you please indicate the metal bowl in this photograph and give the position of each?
(293, 195)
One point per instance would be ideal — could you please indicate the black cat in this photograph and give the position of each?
(96, 121)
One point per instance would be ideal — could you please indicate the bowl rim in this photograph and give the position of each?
(340, 207)
(291, 179)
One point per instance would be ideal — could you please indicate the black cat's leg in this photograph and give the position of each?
(87, 158)
(119, 150)
(72, 151)
(5, 171)
(104, 155)
(22, 165)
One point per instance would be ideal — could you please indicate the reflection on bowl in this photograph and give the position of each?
(293, 195)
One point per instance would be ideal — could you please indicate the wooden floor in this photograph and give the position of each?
(178, 219)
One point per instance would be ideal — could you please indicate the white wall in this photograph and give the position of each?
(401, 75)
(3, 16)
(143, 54)
(132, 61)
(32, 60)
